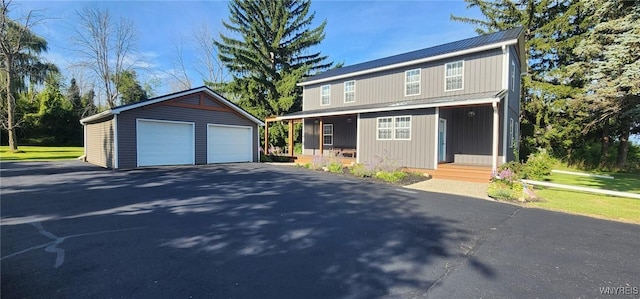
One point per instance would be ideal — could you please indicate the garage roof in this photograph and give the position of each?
(207, 90)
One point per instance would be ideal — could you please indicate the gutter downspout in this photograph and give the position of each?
(115, 141)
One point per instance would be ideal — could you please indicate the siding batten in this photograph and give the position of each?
(115, 141)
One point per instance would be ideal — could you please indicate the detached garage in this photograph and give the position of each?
(196, 126)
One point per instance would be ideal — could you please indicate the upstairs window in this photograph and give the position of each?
(350, 91)
(453, 75)
(412, 82)
(325, 95)
(327, 134)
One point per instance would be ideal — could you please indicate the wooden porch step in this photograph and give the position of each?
(467, 173)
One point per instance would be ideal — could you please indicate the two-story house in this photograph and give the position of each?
(457, 102)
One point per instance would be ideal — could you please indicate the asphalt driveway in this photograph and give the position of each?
(69, 229)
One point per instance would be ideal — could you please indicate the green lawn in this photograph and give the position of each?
(625, 182)
(594, 205)
(40, 153)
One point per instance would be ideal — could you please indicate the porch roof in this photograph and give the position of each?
(450, 101)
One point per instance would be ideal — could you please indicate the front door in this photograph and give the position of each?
(442, 140)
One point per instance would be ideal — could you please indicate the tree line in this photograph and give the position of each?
(580, 95)
(581, 92)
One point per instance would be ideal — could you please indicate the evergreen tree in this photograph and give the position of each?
(611, 65)
(129, 88)
(88, 103)
(20, 65)
(73, 95)
(552, 115)
(269, 53)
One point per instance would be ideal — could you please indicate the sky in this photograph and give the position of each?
(356, 31)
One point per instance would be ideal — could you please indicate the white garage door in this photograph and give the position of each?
(165, 143)
(229, 144)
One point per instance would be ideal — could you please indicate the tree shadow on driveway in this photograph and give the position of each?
(245, 230)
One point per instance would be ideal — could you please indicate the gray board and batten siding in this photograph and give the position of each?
(111, 136)
(127, 146)
(418, 152)
(99, 143)
(482, 72)
(344, 134)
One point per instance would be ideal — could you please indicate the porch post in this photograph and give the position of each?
(321, 139)
(265, 150)
(291, 137)
(496, 127)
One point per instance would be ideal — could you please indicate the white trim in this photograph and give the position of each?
(395, 127)
(193, 131)
(446, 77)
(413, 62)
(435, 151)
(228, 126)
(322, 95)
(505, 67)
(172, 96)
(358, 138)
(494, 137)
(344, 87)
(115, 141)
(84, 127)
(513, 76)
(378, 128)
(392, 108)
(419, 82)
(304, 125)
(324, 133)
(444, 148)
(505, 84)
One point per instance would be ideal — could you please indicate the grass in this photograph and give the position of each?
(594, 205)
(625, 182)
(40, 153)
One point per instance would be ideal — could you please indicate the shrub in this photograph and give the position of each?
(538, 166)
(391, 177)
(362, 170)
(335, 167)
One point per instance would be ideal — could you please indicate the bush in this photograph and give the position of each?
(538, 166)
(335, 167)
(391, 177)
(361, 170)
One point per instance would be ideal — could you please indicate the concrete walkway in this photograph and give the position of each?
(476, 190)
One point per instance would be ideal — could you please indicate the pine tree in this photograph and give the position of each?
(552, 117)
(611, 53)
(269, 54)
(130, 89)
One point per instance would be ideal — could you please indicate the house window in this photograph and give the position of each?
(327, 134)
(453, 75)
(398, 128)
(511, 133)
(325, 95)
(513, 76)
(385, 128)
(402, 127)
(350, 91)
(412, 82)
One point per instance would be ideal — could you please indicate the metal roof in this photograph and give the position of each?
(458, 100)
(209, 91)
(461, 45)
